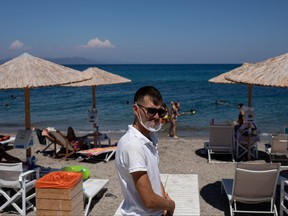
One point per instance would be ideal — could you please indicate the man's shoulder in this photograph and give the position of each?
(127, 139)
(130, 134)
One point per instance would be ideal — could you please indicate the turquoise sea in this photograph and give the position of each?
(60, 107)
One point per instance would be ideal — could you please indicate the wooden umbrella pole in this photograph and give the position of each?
(95, 135)
(249, 142)
(94, 96)
(250, 95)
(94, 107)
(249, 125)
(27, 116)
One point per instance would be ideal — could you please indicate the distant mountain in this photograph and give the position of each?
(66, 61)
(73, 60)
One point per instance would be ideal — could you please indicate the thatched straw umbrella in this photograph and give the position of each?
(27, 71)
(222, 79)
(272, 72)
(99, 77)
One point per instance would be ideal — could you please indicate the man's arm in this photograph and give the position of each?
(166, 213)
(149, 198)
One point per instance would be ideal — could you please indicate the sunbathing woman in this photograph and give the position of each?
(78, 142)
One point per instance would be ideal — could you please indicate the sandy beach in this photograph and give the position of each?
(177, 156)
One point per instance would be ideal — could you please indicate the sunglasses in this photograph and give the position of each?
(151, 112)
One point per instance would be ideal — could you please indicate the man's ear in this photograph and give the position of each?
(135, 109)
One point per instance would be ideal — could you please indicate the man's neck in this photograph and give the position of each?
(141, 129)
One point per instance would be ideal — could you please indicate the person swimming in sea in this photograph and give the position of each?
(192, 112)
(219, 102)
(13, 96)
(6, 105)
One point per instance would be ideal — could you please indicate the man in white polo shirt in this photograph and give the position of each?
(137, 158)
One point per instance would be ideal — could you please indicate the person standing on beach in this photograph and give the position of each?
(137, 160)
(166, 118)
(240, 121)
(174, 114)
(240, 107)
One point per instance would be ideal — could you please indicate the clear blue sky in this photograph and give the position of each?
(145, 31)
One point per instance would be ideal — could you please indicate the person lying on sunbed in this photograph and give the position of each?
(8, 157)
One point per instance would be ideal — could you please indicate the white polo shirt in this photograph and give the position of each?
(135, 152)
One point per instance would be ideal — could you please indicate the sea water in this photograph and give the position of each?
(61, 107)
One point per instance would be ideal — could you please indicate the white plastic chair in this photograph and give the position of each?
(283, 196)
(14, 178)
(252, 184)
(279, 147)
(221, 140)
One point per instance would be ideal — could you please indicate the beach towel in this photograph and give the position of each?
(98, 154)
(97, 151)
(41, 138)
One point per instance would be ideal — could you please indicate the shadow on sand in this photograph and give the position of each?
(210, 192)
(228, 158)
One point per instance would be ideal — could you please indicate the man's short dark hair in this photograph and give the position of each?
(150, 91)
